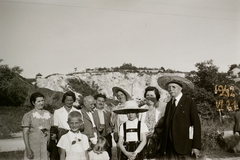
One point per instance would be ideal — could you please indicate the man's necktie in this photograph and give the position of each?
(173, 108)
(174, 104)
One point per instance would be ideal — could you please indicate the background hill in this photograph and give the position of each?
(88, 83)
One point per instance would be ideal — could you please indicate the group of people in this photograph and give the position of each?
(74, 134)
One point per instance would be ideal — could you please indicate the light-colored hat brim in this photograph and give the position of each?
(116, 89)
(129, 110)
(185, 83)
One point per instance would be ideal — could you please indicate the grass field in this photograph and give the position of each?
(18, 155)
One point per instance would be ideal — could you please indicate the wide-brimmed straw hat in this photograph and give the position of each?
(130, 107)
(116, 89)
(181, 81)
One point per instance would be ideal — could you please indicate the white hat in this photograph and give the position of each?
(130, 107)
(181, 81)
(116, 89)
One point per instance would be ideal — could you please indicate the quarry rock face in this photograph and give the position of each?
(133, 83)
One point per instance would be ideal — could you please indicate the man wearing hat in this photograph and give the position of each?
(181, 127)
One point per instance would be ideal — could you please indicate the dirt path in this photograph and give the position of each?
(11, 144)
(14, 144)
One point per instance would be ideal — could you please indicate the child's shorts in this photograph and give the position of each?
(131, 147)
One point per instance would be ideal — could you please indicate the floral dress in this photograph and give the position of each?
(39, 132)
(150, 120)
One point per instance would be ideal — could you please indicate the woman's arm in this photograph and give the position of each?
(26, 142)
(55, 119)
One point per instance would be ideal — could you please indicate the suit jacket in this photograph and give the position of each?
(88, 125)
(107, 119)
(185, 115)
(237, 122)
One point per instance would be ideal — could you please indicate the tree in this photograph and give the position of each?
(207, 76)
(232, 67)
(128, 66)
(13, 90)
(206, 79)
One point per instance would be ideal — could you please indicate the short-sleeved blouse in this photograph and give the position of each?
(36, 122)
(38, 133)
(60, 117)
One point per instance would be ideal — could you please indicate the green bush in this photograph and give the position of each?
(210, 129)
(10, 120)
(209, 135)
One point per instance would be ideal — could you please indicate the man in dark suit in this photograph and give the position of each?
(102, 118)
(89, 124)
(236, 128)
(181, 126)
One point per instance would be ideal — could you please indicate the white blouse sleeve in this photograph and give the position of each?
(121, 130)
(144, 127)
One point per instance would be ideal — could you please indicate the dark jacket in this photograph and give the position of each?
(237, 122)
(107, 119)
(186, 115)
(88, 126)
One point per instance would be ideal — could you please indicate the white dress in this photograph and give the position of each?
(95, 156)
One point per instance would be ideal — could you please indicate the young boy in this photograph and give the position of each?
(74, 144)
(132, 134)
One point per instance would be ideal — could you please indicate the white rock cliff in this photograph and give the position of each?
(133, 83)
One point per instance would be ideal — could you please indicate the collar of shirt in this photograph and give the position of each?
(101, 110)
(91, 118)
(74, 136)
(89, 114)
(178, 98)
(64, 110)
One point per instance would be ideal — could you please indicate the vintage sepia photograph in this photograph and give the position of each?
(119, 79)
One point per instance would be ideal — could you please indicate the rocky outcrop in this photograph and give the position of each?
(134, 83)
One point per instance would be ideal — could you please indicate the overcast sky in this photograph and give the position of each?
(55, 36)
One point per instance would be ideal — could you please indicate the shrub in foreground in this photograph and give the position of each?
(10, 120)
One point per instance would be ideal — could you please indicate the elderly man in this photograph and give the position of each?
(181, 127)
(89, 123)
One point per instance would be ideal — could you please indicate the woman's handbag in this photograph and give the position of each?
(152, 148)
